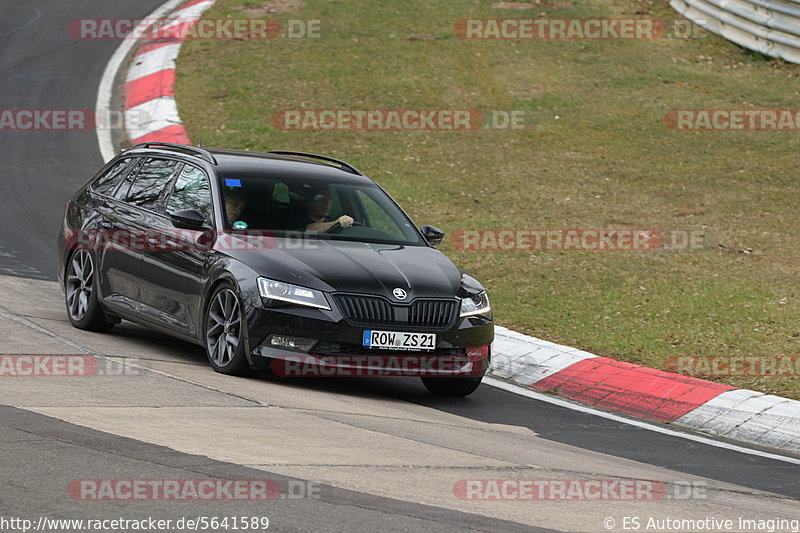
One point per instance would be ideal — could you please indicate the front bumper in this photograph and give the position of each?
(462, 350)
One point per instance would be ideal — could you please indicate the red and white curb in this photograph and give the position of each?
(151, 113)
(679, 400)
(532, 363)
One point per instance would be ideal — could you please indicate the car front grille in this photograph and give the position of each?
(374, 310)
(434, 313)
(365, 309)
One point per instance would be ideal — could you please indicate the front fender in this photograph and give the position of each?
(224, 269)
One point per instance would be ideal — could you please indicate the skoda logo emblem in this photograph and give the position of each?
(399, 293)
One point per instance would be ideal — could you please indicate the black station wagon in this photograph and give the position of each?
(282, 262)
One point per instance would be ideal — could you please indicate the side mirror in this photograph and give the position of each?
(432, 234)
(187, 219)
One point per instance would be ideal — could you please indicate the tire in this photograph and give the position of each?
(451, 386)
(223, 335)
(80, 294)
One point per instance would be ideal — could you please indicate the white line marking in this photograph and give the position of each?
(637, 423)
(106, 88)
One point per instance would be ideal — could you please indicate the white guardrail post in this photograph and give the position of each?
(771, 27)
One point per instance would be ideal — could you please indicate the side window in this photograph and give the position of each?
(122, 191)
(191, 191)
(151, 181)
(378, 218)
(108, 182)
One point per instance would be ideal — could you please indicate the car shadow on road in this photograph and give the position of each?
(410, 389)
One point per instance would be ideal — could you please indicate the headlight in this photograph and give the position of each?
(477, 304)
(286, 292)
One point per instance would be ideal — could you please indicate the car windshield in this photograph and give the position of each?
(315, 209)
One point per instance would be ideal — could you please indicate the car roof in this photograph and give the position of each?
(256, 164)
(244, 164)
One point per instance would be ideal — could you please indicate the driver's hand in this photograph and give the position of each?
(345, 221)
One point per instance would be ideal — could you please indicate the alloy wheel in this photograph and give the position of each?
(223, 327)
(79, 286)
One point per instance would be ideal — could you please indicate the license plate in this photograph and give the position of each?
(398, 340)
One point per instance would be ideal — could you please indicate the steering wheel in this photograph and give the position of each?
(336, 228)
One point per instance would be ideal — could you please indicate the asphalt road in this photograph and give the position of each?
(387, 452)
(29, 436)
(43, 68)
(376, 438)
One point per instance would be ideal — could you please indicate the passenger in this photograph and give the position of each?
(235, 204)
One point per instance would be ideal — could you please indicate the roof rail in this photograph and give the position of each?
(346, 166)
(204, 154)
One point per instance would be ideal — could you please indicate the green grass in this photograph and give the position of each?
(595, 153)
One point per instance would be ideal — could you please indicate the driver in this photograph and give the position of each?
(315, 218)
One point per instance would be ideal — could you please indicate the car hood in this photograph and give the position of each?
(368, 268)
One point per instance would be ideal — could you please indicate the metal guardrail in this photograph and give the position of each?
(771, 27)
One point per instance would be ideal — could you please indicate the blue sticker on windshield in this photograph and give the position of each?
(233, 183)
